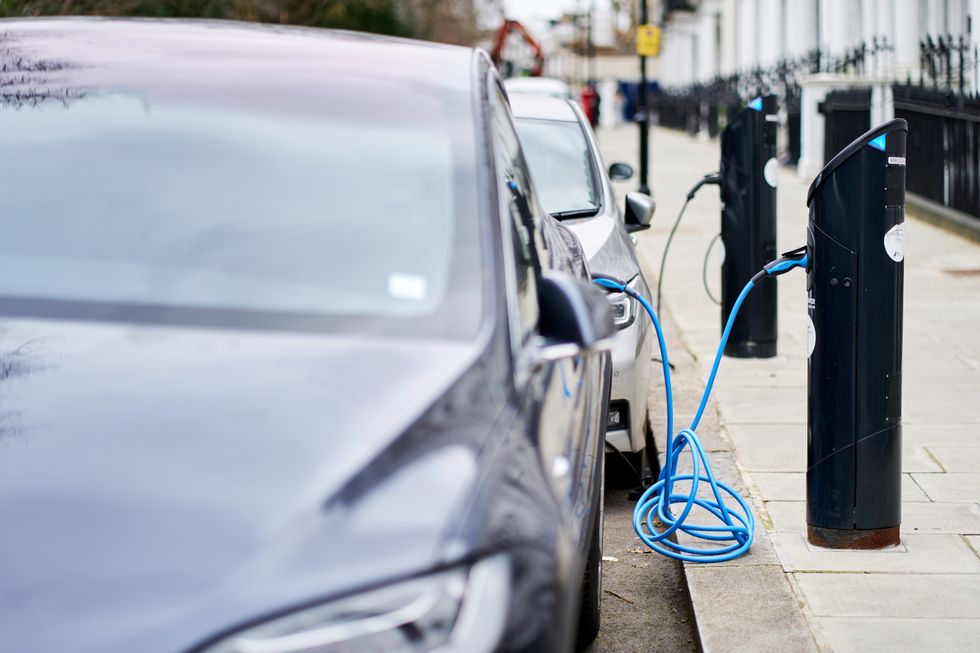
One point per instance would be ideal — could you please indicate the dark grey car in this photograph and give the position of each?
(290, 358)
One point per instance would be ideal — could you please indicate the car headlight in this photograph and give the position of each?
(623, 307)
(462, 609)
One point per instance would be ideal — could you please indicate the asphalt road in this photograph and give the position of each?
(645, 606)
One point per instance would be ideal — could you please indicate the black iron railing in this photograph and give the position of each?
(706, 106)
(847, 115)
(943, 112)
(947, 62)
(794, 126)
(943, 145)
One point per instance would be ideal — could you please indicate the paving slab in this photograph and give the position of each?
(770, 447)
(974, 543)
(957, 459)
(920, 459)
(917, 517)
(780, 372)
(861, 635)
(918, 553)
(950, 487)
(781, 486)
(906, 596)
(753, 405)
(946, 435)
(954, 406)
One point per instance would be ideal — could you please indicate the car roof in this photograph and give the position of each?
(541, 107)
(215, 62)
(538, 84)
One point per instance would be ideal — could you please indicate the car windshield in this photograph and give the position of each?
(351, 217)
(561, 165)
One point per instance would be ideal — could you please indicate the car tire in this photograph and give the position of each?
(653, 459)
(624, 469)
(589, 613)
(627, 469)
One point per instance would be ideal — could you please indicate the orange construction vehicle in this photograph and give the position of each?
(506, 29)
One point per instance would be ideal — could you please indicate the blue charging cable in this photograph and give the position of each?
(735, 533)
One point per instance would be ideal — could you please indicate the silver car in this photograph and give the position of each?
(573, 186)
(545, 86)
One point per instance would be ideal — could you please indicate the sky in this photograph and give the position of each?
(538, 9)
(537, 12)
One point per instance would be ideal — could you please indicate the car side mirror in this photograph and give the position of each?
(639, 211)
(620, 171)
(575, 316)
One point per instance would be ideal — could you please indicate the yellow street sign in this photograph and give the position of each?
(648, 40)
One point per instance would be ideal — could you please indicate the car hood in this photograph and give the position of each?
(606, 245)
(153, 477)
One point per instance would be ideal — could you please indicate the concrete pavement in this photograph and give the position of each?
(786, 595)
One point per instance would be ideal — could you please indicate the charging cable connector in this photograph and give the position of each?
(712, 179)
(797, 258)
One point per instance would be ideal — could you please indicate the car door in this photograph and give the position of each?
(559, 400)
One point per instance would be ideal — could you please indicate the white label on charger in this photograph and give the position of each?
(811, 336)
(771, 172)
(896, 160)
(895, 243)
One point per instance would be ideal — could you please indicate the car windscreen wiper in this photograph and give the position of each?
(576, 213)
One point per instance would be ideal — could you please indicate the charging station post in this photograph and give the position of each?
(748, 225)
(856, 242)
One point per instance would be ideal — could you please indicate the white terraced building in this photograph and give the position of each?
(705, 39)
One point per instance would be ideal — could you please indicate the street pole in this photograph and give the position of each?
(591, 45)
(643, 113)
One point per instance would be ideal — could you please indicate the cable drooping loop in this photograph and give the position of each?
(704, 270)
(734, 533)
(713, 179)
(663, 258)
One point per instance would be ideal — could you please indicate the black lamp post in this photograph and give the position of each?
(643, 113)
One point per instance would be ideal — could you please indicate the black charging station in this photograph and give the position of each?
(748, 226)
(856, 242)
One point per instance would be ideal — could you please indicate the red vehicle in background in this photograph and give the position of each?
(590, 103)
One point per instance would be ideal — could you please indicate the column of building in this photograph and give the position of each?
(747, 44)
(770, 35)
(707, 40)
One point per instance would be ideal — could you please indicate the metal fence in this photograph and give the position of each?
(697, 107)
(943, 112)
(943, 145)
(948, 63)
(707, 106)
(794, 127)
(847, 115)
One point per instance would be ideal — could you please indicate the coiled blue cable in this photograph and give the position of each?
(736, 530)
